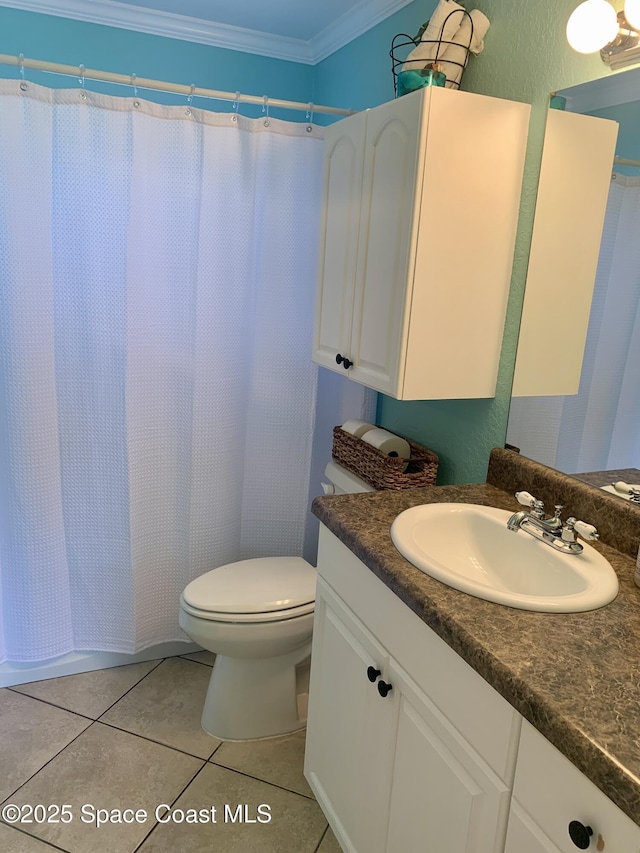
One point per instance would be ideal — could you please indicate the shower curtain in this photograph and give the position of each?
(157, 395)
(598, 428)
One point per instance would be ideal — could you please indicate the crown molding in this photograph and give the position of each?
(352, 24)
(111, 13)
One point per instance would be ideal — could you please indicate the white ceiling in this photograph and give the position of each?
(299, 30)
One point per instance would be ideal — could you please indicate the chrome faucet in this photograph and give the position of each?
(553, 531)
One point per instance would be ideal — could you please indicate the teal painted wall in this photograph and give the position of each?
(125, 52)
(526, 56)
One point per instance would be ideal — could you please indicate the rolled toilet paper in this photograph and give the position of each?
(388, 443)
(357, 428)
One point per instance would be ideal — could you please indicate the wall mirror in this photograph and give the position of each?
(595, 425)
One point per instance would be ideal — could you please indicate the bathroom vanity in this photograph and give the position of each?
(439, 721)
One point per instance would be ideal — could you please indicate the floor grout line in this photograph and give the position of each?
(37, 838)
(51, 704)
(201, 662)
(152, 740)
(258, 779)
(172, 804)
(153, 669)
(91, 723)
(322, 838)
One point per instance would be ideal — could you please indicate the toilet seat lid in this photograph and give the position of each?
(262, 585)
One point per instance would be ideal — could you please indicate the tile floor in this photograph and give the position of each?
(130, 738)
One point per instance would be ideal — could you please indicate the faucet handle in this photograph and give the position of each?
(526, 499)
(587, 531)
(537, 507)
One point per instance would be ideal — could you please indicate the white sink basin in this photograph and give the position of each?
(469, 547)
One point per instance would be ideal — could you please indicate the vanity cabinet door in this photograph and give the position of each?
(524, 836)
(444, 797)
(549, 793)
(349, 732)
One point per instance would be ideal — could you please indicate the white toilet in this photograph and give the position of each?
(257, 616)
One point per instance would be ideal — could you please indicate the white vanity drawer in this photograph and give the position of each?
(553, 793)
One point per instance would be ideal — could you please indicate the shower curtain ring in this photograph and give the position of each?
(83, 94)
(192, 88)
(265, 108)
(236, 107)
(23, 85)
(136, 104)
(310, 117)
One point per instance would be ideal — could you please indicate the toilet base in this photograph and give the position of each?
(253, 699)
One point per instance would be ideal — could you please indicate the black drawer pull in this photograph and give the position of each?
(580, 834)
(384, 689)
(373, 673)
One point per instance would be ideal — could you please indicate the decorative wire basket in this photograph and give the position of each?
(382, 471)
(452, 68)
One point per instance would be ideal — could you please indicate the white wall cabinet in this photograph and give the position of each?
(431, 764)
(420, 208)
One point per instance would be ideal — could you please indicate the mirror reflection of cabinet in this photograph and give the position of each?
(572, 196)
(595, 427)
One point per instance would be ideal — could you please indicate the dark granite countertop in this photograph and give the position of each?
(606, 478)
(575, 677)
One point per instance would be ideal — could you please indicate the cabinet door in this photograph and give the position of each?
(444, 796)
(348, 751)
(552, 793)
(343, 158)
(523, 836)
(386, 234)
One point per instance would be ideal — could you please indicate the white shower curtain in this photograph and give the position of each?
(156, 392)
(598, 428)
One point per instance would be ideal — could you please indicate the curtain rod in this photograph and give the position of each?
(624, 161)
(80, 72)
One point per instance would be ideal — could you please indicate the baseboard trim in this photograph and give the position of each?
(76, 662)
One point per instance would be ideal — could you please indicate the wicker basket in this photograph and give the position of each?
(381, 471)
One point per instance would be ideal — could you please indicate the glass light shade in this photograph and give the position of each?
(632, 13)
(592, 25)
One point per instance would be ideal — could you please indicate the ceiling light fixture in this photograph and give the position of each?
(624, 49)
(592, 25)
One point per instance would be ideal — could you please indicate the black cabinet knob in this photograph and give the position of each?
(384, 688)
(344, 361)
(580, 834)
(373, 673)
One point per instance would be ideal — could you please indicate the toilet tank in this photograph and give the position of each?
(340, 481)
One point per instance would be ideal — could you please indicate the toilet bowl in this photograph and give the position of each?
(257, 617)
